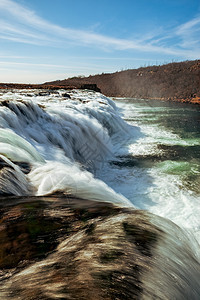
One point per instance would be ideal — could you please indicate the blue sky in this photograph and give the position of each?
(43, 40)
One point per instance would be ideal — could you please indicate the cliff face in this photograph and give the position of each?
(175, 81)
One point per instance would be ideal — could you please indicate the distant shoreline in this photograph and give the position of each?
(174, 82)
(21, 86)
(11, 86)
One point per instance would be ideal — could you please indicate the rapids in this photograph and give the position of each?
(107, 190)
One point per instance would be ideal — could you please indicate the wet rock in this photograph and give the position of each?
(67, 248)
(90, 86)
(13, 181)
(46, 93)
(66, 95)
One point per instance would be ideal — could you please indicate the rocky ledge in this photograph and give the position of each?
(66, 248)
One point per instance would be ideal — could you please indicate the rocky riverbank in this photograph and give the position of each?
(174, 81)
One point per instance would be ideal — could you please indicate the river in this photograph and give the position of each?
(160, 170)
(98, 198)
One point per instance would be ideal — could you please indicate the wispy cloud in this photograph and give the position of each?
(189, 33)
(23, 25)
(15, 57)
(36, 65)
(190, 25)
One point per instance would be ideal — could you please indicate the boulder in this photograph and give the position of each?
(67, 248)
(90, 86)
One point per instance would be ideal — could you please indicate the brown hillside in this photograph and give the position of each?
(175, 81)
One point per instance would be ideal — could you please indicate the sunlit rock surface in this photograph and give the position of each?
(66, 248)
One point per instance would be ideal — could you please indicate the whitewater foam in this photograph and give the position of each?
(65, 140)
(82, 146)
(152, 174)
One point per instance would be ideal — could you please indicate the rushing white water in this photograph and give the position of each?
(64, 140)
(131, 153)
(151, 177)
(82, 146)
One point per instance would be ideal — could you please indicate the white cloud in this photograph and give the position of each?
(39, 72)
(12, 64)
(21, 24)
(189, 33)
(189, 26)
